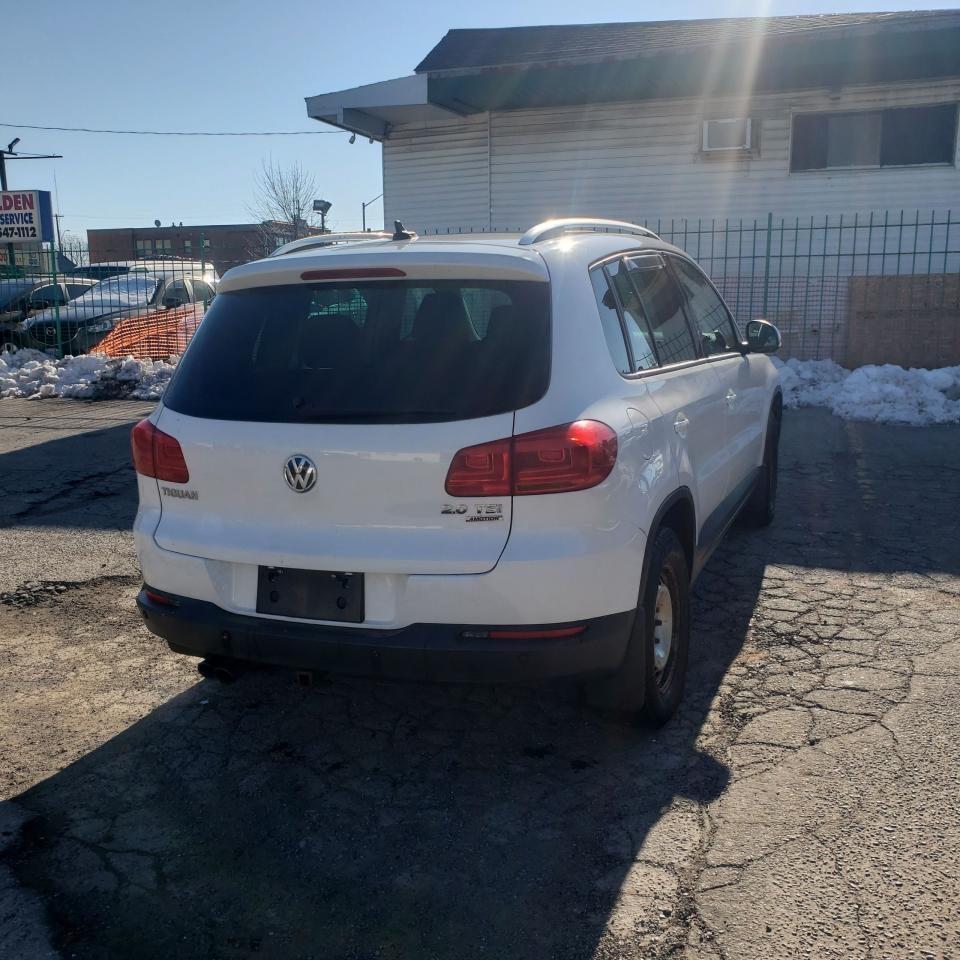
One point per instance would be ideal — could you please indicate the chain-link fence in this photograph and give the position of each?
(862, 289)
(74, 301)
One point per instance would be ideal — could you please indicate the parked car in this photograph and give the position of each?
(20, 299)
(106, 269)
(84, 322)
(467, 458)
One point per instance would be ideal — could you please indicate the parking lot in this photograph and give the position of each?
(803, 804)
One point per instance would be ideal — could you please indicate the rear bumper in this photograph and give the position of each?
(431, 651)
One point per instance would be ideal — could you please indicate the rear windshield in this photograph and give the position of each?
(382, 351)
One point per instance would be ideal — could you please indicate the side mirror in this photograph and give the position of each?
(173, 301)
(762, 337)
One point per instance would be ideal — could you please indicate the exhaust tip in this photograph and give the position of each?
(223, 670)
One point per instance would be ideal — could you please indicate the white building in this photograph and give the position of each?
(500, 128)
(792, 156)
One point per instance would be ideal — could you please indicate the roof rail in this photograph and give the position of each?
(554, 228)
(329, 239)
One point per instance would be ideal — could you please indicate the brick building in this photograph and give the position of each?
(225, 245)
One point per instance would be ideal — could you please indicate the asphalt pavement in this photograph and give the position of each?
(803, 804)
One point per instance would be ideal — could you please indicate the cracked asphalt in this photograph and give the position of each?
(805, 803)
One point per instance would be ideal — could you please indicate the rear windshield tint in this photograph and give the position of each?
(389, 351)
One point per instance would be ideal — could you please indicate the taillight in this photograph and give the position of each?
(480, 471)
(573, 456)
(157, 454)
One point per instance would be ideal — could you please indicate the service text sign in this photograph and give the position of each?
(25, 216)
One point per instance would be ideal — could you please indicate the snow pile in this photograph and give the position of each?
(809, 383)
(885, 394)
(32, 374)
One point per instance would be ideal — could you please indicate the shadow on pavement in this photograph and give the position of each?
(82, 480)
(360, 819)
(868, 497)
(357, 818)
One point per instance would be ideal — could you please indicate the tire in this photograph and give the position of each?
(649, 683)
(761, 508)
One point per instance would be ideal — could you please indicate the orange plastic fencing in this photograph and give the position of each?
(153, 336)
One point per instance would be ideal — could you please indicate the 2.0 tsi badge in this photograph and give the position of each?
(300, 472)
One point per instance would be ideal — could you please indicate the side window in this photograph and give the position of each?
(610, 318)
(176, 294)
(662, 303)
(76, 290)
(49, 294)
(202, 290)
(707, 311)
(638, 331)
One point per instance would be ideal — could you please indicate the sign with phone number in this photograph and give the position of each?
(25, 216)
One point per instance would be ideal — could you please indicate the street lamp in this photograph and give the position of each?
(364, 208)
(323, 208)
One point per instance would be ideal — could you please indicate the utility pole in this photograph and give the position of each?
(364, 207)
(9, 152)
(3, 186)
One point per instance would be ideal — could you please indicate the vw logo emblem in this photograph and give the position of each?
(300, 473)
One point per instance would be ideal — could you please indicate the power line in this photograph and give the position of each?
(176, 133)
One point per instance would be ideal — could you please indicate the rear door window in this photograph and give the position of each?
(375, 351)
(707, 310)
(610, 320)
(638, 331)
(662, 303)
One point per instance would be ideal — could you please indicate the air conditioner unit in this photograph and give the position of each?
(727, 134)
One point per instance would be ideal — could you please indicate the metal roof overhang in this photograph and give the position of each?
(734, 69)
(371, 110)
(715, 70)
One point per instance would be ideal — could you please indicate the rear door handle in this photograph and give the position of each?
(731, 396)
(681, 424)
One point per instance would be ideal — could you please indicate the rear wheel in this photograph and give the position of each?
(649, 683)
(760, 509)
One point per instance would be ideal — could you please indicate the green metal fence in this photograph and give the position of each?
(69, 300)
(799, 271)
(856, 289)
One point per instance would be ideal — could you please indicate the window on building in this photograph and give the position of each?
(727, 134)
(144, 248)
(188, 248)
(901, 136)
(164, 246)
(706, 310)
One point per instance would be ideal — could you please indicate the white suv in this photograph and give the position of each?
(476, 458)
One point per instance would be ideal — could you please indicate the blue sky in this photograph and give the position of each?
(240, 65)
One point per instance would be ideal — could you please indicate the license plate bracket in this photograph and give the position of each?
(310, 594)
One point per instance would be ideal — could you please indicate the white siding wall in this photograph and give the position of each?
(438, 175)
(641, 161)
